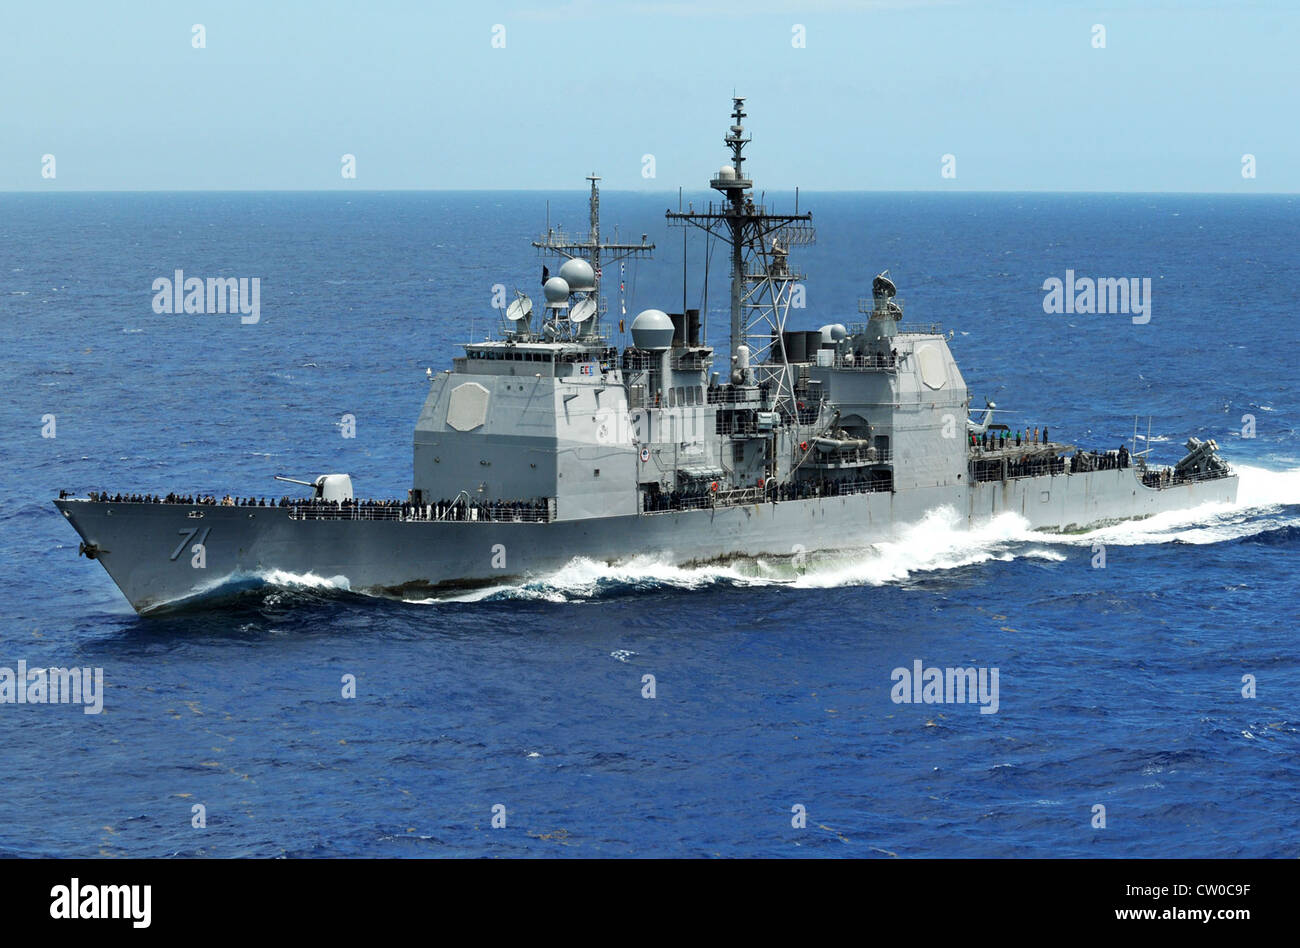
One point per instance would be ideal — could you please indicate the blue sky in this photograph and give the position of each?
(873, 101)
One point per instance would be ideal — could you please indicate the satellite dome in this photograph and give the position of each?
(556, 290)
(726, 173)
(652, 329)
(833, 332)
(578, 274)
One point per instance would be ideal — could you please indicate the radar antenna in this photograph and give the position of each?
(591, 248)
(762, 283)
(517, 313)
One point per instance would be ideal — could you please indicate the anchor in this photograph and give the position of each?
(90, 551)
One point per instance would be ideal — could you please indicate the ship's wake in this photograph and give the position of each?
(1267, 510)
(1268, 504)
(936, 544)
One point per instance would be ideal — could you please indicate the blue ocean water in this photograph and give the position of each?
(1119, 686)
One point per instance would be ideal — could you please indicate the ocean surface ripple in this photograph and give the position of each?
(1120, 687)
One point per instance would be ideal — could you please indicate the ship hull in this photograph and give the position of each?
(149, 549)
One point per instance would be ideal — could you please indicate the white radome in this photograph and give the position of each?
(834, 332)
(652, 330)
(578, 274)
(556, 290)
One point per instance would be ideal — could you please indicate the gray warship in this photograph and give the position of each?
(548, 443)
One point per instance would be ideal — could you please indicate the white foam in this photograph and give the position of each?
(273, 577)
(1260, 487)
(939, 542)
(1262, 496)
(280, 577)
(582, 578)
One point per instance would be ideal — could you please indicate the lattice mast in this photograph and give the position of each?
(761, 281)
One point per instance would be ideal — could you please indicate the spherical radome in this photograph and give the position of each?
(556, 290)
(652, 329)
(834, 332)
(578, 274)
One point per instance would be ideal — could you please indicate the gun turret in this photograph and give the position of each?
(333, 487)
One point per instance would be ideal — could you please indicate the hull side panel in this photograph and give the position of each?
(148, 549)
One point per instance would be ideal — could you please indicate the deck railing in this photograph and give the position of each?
(773, 494)
(1164, 478)
(865, 363)
(427, 513)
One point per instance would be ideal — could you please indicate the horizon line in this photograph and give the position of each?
(702, 190)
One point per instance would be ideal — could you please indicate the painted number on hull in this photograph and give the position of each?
(188, 535)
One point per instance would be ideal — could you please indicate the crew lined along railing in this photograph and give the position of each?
(516, 512)
(981, 471)
(538, 510)
(1168, 477)
(675, 502)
